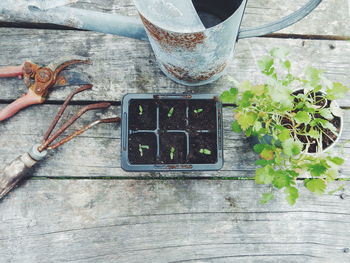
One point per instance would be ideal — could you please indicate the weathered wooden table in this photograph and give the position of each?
(80, 206)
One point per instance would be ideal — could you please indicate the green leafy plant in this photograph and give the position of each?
(197, 111)
(170, 112)
(171, 153)
(143, 147)
(205, 151)
(294, 120)
(140, 110)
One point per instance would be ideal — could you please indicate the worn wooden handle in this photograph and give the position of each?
(11, 71)
(15, 172)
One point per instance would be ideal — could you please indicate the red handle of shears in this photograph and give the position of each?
(11, 71)
(26, 100)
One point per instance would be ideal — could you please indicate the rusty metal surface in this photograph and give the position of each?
(198, 57)
(62, 109)
(67, 124)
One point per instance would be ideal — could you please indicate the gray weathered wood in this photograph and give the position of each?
(329, 18)
(124, 65)
(97, 152)
(155, 221)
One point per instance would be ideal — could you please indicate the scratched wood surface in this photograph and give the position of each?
(331, 17)
(134, 221)
(97, 153)
(163, 217)
(123, 65)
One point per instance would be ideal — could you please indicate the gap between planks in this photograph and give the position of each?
(48, 26)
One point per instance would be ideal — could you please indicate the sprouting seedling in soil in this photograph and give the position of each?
(143, 147)
(170, 112)
(172, 151)
(140, 110)
(198, 110)
(205, 151)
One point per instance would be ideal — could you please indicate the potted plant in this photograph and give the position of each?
(162, 132)
(295, 121)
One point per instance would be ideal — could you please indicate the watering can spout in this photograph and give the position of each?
(175, 15)
(91, 20)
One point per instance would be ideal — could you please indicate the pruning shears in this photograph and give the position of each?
(39, 79)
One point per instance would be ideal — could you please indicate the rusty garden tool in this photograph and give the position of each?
(19, 168)
(39, 80)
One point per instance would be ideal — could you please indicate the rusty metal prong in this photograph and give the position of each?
(76, 116)
(62, 109)
(77, 133)
(65, 64)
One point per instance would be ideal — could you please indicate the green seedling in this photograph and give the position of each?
(205, 151)
(294, 122)
(172, 151)
(140, 110)
(170, 112)
(143, 147)
(198, 111)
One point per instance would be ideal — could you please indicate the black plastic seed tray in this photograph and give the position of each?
(162, 132)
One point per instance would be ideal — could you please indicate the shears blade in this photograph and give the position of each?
(71, 78)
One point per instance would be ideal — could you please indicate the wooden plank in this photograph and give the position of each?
(329, 18)
(97, 152)
(123, 65)
(169, 221)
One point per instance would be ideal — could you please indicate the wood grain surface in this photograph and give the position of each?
(123, 65)
(330, 18)
(82, 207)
(97, 152)
(153, 221)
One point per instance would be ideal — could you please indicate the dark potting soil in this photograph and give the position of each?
(142, 115)
(202, 115)
(200, 142)
(172, 115)
(326, 140)
(173, 148)
(143, 139)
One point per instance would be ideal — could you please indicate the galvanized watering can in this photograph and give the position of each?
(193, 41)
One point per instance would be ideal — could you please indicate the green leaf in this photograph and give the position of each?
(292, 194)
(264, 175)
(314, 133)
(313, 74)
(245, 101)
(281, 179)
(326, 113)
(258, 148)
(236, 127)
(258, 90)
(302, 117)
(291, 147)
(317, 169)
(317, 186)
(247, 119)
(263, 162)
(266, 197)
(337, 91)
(229, 96)
(284, 135)
(279, 52)
(287, 64)
(265, 65)
(336, 160)
(267, 154)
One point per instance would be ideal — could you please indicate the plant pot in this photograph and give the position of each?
(163, 132)
(268, 138)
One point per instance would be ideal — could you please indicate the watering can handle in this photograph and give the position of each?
(280, 24)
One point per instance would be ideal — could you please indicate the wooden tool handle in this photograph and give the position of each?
(15, 172)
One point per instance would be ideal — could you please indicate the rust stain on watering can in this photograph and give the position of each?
(168, 40)
(185, 74)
